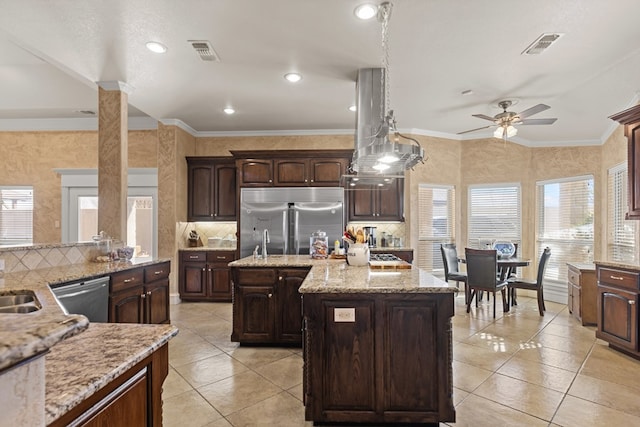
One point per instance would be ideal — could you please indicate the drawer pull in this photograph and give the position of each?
(616, 277)
(129, 280)
(158, 272)
(220, 257)
(193, 257)
(631, 302)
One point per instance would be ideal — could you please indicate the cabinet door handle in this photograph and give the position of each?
(616, 277)
(129, 280)
(209, 270)
(311, 180)
(280, 278)
(149, 293)
(270, 295)
(270, 180)
(158, 272)
(203, 269)
(631, 302)
(143, 296)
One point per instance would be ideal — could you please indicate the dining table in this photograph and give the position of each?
(506, 267)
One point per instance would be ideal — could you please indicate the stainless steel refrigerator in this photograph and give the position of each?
(290, 215)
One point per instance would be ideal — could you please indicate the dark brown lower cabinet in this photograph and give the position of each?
(618, 299)
(132, 399)
(205, 276)
(266, 305)
(378, 358)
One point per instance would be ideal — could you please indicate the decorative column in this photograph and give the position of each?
(112, 158)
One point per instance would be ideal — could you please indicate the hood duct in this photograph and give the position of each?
(373, 147)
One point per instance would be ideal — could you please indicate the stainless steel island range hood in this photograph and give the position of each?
(378, 150)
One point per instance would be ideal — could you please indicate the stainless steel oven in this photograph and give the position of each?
(87, 297)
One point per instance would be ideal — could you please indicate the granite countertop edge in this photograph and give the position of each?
(618, 264)
(26, 335)
(98, 356)
(335, 276)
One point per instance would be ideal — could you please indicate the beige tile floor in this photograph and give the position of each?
(517, 370)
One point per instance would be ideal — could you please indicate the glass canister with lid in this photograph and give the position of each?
(319, 245)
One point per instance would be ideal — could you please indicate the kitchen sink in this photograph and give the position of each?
(22, 302)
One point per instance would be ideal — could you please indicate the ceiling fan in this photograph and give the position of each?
(506, 120)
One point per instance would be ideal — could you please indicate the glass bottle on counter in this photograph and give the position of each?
(383, 240)
(319, 245)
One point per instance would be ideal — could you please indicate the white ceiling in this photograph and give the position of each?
(52, 53)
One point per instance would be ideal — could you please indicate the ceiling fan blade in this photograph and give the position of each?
(537, 121)
(473, 130)
(484, 116)
(533, 110)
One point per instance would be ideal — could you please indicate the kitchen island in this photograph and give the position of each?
(377, 344)
(57, 368)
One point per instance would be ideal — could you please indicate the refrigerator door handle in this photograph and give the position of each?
(296, 235)
(285, 232)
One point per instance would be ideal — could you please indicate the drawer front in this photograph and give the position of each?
(618, 278)
(126, 279)
(255, 276)
(157, 272)
(194, 256)
(573, 276)
(224, 257)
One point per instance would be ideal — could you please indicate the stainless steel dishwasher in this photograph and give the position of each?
(87, 297)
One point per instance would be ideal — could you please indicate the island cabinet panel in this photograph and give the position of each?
(618, 300)
(349, 359)
(131, 399)
(378, 358)
(582, 298)
(267, 305)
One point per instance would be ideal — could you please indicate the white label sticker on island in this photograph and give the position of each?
(344, 314)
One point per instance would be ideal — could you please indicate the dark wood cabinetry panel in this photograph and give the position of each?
(140, 295)
(630, 119)
(255, 172)
(211, 189)
(378, 358)
(618, 299)
(292, 168)
(267, 307)
(582, 294)
(205, 275)
(131, 399)
(372, 203)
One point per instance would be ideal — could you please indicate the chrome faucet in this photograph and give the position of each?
(265, 240)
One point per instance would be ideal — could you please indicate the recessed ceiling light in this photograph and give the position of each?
(366, 11)
(156, 47)
(352, 108)
(229, 110)
(293, 77)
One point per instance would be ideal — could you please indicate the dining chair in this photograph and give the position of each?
(482, 269)
(451, 270)
(537, 286)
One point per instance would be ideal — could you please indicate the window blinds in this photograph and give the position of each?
(565, 223)
(436, 224)
(16, 215)
(494, 214)
(623, 234)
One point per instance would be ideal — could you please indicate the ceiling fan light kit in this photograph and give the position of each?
(507, 120)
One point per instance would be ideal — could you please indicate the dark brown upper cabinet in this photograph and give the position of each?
(212, 189)
(630, 119)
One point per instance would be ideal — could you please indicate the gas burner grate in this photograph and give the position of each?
(383, 257)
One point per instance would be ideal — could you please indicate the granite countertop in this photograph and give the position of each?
(28, 334)
(617, 264)
(335, 276)
(583, 266)
(79, 366)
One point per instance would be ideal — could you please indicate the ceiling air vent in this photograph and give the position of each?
(204, 49)
(542, 43)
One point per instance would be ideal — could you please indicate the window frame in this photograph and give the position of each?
(428, 257)
(16, 223)
(480, 239)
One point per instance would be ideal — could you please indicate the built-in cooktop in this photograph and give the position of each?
(383, 257)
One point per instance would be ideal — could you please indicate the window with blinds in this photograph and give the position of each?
(16, 215)
(565, 223)
(623, 234)
(436, 224)
(494, 214)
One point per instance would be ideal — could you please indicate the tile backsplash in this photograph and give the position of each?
(397, 229)
(222, 230)
(44, 256)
